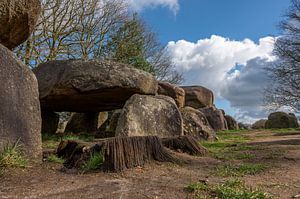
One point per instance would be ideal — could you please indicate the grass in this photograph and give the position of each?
(230, 189)
(52, 141)
(55, 159)
(245, 147)
(229, 154)
(231, 146)
(240, 170)
(287, 133)
(245, 156)
(213, 146)
(95, 162)
(234, 131)
(233, 137)
(12, 157)
(50, 144)
(47, 137)
(286, 130)
(275, 153)
(87, 138)
(226, 139)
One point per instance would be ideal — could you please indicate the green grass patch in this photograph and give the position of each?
(87, 138)
(231, 189)
(95, 162)
(55, 159)
(245, 147)
(233, 155)
(234, 131)
(198, 186)
(236, 137)
(13, 157)
(274, 154)
(50, 144)
(244, 156)
(240, 170)
(226, 139)
(232, 146)
(286, 130)
(216, 145)
(286, 133)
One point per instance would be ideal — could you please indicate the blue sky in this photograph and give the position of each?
(207, 39)
(236, 19)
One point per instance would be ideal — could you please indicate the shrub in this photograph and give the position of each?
(95, 162)
(55, 159)
(12, 157)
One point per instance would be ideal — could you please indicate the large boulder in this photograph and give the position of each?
(215, 118)
(113, 121)
(50, 121)
(232, 124)
(17, 20)
(281, 120)
(145, 115)
(195, 124)
(20, 116)
(90, 86)
(260, 124)
(108, 128)
(171, 90)
(198, 97)
(85, 122)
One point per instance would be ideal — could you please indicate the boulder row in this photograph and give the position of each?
(215, 118)
(195, 124)
(171, 90)
(231, 123)
(260, 124)
(90, 86)
(150, 115)
(198, 97)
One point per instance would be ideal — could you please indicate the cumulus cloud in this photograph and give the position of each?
(138, 5)
(245, 90)
(232, 69)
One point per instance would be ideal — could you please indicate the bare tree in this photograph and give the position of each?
(93, 29)
(285, 72)
(95, 22)
(69, 29)
(136, 44)
(163, 67)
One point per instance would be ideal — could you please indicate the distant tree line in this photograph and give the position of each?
(284, 89)
(96, 29)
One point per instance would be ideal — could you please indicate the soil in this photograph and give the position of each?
(161, 180)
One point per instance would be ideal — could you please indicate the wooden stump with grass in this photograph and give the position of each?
(185, 144)
(120, 153)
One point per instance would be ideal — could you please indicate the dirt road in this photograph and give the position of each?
(163, 180)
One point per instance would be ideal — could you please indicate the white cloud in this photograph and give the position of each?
(245, 90)
(232, 69)
(139, 5)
